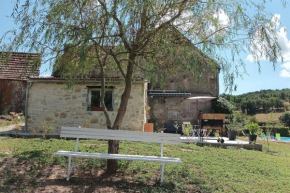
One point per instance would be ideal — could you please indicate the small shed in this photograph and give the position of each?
(15, 68)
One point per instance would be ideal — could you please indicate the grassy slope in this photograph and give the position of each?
(28, 165)
(265, 117)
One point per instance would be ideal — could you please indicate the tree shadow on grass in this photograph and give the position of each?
(99, 184)
(28, 172)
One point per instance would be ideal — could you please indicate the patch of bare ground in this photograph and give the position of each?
(273, 152)
(26, 177)
(95, 144)
(182, 149)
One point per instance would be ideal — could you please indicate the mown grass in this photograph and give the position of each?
(27, 165)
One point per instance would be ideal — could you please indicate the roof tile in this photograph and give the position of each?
(18, 65)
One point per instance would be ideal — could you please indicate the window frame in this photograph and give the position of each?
(89, 101)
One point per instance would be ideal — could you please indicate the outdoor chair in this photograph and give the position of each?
(264, 136)
(278, 136)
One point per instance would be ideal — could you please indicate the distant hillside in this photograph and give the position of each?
(263, 101)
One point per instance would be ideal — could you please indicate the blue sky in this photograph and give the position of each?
(268, 78)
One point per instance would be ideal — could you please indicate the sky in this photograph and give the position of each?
(268, 77)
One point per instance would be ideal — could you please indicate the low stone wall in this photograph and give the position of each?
(52, 103)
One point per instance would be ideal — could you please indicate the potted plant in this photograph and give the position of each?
(254, 130)
(233, 129)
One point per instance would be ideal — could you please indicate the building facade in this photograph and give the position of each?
(171, 103)
(52, 103)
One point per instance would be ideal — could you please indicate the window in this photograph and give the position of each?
(212, 82)
(95, 99)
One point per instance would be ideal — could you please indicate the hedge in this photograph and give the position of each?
(284, 131)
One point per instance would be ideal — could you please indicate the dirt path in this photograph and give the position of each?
(8, 129)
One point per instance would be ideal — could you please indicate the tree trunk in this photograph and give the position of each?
(112, 165)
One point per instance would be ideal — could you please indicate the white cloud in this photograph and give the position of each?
(284, 73)
(250, 58)
(284, 43)
(286, 66)
(222, 17)
(276, 20)
(187, 21)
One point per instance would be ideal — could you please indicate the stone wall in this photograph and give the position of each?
(170, 109)
(55, 104)
(184, 81)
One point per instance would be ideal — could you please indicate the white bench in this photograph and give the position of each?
(89, 133)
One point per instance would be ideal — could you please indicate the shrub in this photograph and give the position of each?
(287, 107)
(186, 129)
(241, 118)
(284, 131)
(285, 119)
(222, 105)
(253, 119)
(253, 128)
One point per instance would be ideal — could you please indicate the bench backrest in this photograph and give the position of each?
(106, 134)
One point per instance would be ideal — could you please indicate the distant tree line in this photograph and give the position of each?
(261, 101)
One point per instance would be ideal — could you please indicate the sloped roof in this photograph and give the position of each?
(88, 79)
(19, 65)
(178, 37)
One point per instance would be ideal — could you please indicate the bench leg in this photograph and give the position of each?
(69, 168)
(162, 172)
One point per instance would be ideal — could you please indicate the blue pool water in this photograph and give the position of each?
(285, 138)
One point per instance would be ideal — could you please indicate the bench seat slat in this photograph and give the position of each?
(121, 132)
(136, 134)
(173, 141)
(119, 156)
(73, 132)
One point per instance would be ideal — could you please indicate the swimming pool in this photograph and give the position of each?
(285, 138)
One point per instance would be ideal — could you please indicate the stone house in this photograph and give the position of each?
(168, 98)
(170, 103)
(50, 101)
(15, 68)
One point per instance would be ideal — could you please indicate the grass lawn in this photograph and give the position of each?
(27, 165)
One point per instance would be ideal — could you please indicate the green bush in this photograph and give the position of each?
(253, 128)
(285, 119)
(241, 118)
(222, 105)
(253, 119)
(284, 131)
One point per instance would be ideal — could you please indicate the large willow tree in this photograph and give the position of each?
(130, 36)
